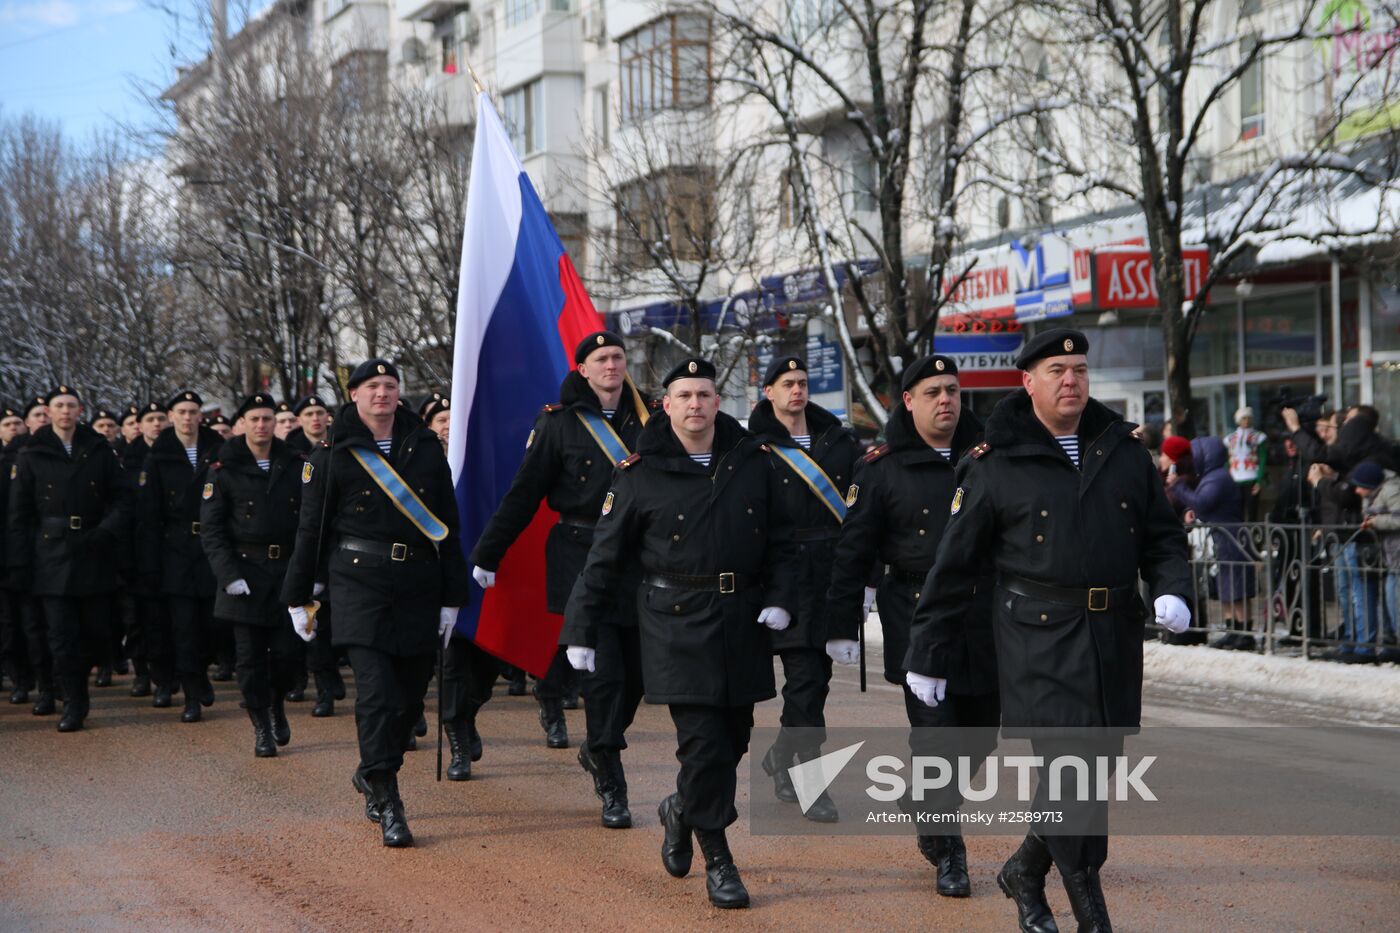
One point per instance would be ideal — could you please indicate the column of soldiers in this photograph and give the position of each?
(690, 552)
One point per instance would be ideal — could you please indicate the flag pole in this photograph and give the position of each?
(471, 72)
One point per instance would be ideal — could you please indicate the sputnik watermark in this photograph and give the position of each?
(1090, 779)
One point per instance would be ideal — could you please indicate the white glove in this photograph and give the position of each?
(775, 617)
(238, 588)
(843, 650)
(868, 602)
(580, 658)
(447, 620)
(929, 690)
(301, 624)
(1172, 613)
(317, 589)
(484, 578)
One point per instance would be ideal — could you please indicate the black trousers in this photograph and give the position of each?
(614, 690)
(132, 643)
(13, 645)
(78, 640)
(157, 638)
(36, 637)
(1076, 853)
(806, 683)
(321, 655)
(710, 743)
(962, 725)
(557, 679)
(468, 674)
(389, 692)
(193, 632)
(267, 659)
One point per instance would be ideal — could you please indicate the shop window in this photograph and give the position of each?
(1385, 318)
(1387, 397)
(1215, 351)
(1280, 332)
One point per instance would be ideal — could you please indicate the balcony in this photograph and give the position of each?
(357, 26)
(456, 96)
(426, 11)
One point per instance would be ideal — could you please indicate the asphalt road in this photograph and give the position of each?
(141, 822)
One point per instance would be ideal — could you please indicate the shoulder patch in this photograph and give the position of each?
(140, 480)
(14, 471)
(306, 470)
(852, 494)
(530, 440)
(979, 450)
(876, 452)
(553, 407)
(957, 501)
(607, 503)
(624, 464)
(208, 491)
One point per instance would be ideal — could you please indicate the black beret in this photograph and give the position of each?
(10, 411)
(429, 402)
(216, 419)
(785, 364)
(693, 368)
(311, 401)
(1058, 341)
(922, 368)
(100, 414)
(63, 390)
(184, 395)
(37, 401)
(280, 407)
(603, 338)
(153, 408)
(431, 410)
(131, 411)
(256, 400)
(368, 370)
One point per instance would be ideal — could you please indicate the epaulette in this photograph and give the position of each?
(215, 465)
(654, 404)
(764, 448)
(553, 407)
(876, 452)
(979, 450)
(631, 459)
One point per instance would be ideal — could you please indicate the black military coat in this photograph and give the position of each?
(248, 522)
(1023, 505)
(897, 509)
(67, 515)
(675, 516)
(169, 492)
(816, 528)
(298, 441)
(8, 453)
(382, 603)
(565, 466)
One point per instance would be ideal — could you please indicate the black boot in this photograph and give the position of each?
(281, 728)
(121, 667)
(223, 672)
(204, 690)
(474, 743)
(823, 809)
(298, 691)
(609, 783)
(458, 739)
(517, 682)
(358, 782)
(1022, 879)
(420, 728)
(104, 676)
(775, 765)
(193, 687)
(949, 855)
(337, 684)
(19, 696)
(75, 703)
(325, 697)
(141, 683)
(556, 730)
(676, 850)
(1086, 900)
(393, 825)
(263, 744)
(722, 881)
(44, 704)
(161, 697)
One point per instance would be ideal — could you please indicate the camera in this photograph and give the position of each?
(1308, 407)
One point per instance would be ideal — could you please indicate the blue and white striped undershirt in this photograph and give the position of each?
(803, 440)
(609, 412)
(385, 445)
(193, 454)
(265, 465)
(1070, 443)
(945, 452)
(702, 459)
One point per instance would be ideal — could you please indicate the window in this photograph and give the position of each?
(808, 17)
(449, 54)
(671, 212)
(518, 11)
(522, 113)
(573, 233)
(1252, 91)
(561, 6)
(792, 208)
(665, 65)
(1280, 332)
(862, 181)
(601, 116)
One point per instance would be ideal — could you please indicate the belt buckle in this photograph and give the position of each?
(194, 528)
(398, 552)
(274, 552)
(726, 583)
(1098, 599)
(75, 523)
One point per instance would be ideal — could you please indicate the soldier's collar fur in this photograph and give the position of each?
(1013, 422)
(766, 426)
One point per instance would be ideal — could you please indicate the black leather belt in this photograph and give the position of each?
(909, 576)
(395, 552)
(1093, 598)
(713, 583)
(575, 521)
(816, 534)
(181, 529)
(251, 551)
(65, 522)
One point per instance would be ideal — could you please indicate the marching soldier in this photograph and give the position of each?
(248, 523)
(129, 426)
(25, 607)
(379, 514)
(313, 424)
(286, 420)
(171, 482)
(698, 506)
(36, 414)
(105, 423)
(1069, 509)
(818, 455)
(14, 647)
(66, 519)
(157, 678)
(220, 426)
(11, 426)
(437, 415)
(898, 509)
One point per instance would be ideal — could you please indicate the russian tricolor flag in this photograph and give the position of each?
(521, 310)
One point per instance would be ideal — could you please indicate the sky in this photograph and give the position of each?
(80, 63)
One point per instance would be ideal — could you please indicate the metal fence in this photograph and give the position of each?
(1316, 591)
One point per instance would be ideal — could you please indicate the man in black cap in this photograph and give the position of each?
(287, 421)
(818, 455)
(312, 432)
(66, 519)
(36, 414)
(171, 483)
(1069, 509)
(27, 610)
(698, 507)
(130, 427)
(105, 423)
(313, 424)
(569, 461)
(220, 426)
(898, 508)
(11, 425)
(248, 523)
(14, 647)
(379, 519)
(437, 415)
(156, 675)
